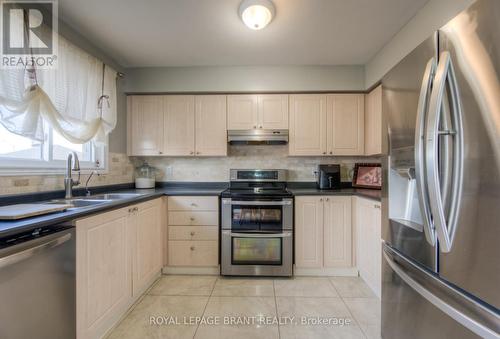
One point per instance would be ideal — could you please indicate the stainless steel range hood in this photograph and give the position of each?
(258, 137)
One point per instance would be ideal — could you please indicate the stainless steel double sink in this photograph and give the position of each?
(93, 200)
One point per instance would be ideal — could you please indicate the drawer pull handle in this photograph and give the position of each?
(192, 233)
(192, 248)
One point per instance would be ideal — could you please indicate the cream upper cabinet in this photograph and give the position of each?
(273, 111)
(146, 233)
(368, 242)
(308, 124)
(103, 272)
(210, 122)
(242, 112)
(345, 124)
(178, 125)
(145, 113)
(337, 232)
(309, 232)
(373, 122)
(255, 111)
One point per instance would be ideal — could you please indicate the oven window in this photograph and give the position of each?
(263, 218)
(256, 251)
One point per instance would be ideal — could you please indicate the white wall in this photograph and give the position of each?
(244, 79)
(431, 17)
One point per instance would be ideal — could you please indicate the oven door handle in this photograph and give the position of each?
(259, 203)
(254, 235)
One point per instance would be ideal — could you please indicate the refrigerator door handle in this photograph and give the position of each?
(458, 306)
(423, 195)
(445, 225)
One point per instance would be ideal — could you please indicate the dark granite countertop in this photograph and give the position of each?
(360, 192)
(169, 189)
(10, 227)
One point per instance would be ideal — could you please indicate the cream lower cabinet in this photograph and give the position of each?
(117, 253)
(176, 125)
(323, 232)
(193, 232)
(368, 242)
(326, 124)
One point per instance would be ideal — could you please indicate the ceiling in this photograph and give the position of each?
(210, 33)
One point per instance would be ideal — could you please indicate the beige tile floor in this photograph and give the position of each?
(187, 307)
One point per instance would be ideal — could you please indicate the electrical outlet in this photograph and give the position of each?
(169, 171)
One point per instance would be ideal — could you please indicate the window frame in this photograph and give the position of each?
(23, 167)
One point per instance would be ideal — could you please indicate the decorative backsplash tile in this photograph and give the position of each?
(120, 171)
(217, 168)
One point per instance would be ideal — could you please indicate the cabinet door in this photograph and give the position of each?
(242, 112)
(147, 246)
(273, 111)
(337, 232)
(178, 130)
(368, 245)
(373, 122)
(307, 124)
(210, 121)
(346, 124)
(145, 125)
(102, 271)
(309, 231)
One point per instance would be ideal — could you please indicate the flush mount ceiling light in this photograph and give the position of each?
(256, 14)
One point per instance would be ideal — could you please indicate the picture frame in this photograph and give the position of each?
(367, 176)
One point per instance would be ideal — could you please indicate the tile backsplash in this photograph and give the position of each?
(242, 156)
(120, 171)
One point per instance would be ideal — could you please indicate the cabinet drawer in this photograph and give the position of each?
(193, 253)
(193, 232)
(178, 218)
(193, 203)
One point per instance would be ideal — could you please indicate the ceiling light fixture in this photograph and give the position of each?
(256, 14)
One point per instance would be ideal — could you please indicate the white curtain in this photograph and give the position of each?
(77, 99)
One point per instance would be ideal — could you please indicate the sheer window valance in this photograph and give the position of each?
(77, 99)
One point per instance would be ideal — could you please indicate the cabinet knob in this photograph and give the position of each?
(192, 219)
(320, 199)
(260, 126)
(255, 126)
(193, 204)
(327, 199)
(160, 152)
(331, 152)
(192, 233)
(192, 248)
(191, 152)
(198, 152)
(376, 206)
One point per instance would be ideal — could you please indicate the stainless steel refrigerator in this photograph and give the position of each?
(441, 193)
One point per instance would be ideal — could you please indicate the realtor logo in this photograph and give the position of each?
(29, 33)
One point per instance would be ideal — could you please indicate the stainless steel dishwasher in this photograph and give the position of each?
(37, 284)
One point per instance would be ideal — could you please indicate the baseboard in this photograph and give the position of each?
(191, 270)
(326, 272)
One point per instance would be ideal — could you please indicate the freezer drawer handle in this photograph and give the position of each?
(263, 203)
(445, 225)
(31, 251)
(473, 325)
(423, 194)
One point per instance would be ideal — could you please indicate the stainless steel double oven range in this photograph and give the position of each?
(257, 224)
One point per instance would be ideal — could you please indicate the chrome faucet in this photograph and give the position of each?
(73, 164)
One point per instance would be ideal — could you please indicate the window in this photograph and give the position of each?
(19, 155)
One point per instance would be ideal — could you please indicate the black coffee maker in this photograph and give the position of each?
(328, 177)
